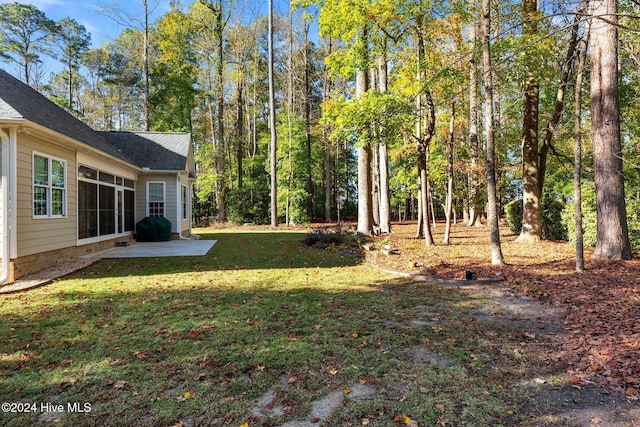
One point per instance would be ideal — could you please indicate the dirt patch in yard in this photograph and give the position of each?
(581, 330)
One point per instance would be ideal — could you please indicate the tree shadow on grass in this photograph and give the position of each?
(162, 354)
(237, 251)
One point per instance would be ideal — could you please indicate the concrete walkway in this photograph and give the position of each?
(156, 249)
(136, 250)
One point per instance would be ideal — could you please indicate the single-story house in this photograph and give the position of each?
(68, 190)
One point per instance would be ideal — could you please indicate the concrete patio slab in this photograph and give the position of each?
(157, 249)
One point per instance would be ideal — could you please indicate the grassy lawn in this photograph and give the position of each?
(202, 340)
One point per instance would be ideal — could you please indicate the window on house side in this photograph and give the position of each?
(155, 197)
(49, 187)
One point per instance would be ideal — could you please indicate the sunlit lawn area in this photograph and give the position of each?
(200, 340)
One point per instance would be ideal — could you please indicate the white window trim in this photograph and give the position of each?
(49, 186)
(164, 196)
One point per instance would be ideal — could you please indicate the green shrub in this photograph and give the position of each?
(513, 210)
(323, 238)
(248, 205)
(633, 220)
(553, 226)
(588, 222)
(298, 200)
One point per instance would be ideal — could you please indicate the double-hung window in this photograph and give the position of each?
(155, 198)
(49, 187)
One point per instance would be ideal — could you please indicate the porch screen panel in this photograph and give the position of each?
(97, 213)
(129, 212)
(107, 214)
(87, 209)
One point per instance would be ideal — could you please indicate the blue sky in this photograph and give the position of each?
(102, 28)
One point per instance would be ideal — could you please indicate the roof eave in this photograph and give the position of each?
(28, 125)
(172, 171)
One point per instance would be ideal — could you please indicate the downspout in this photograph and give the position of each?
(6, 216)
(190, 206)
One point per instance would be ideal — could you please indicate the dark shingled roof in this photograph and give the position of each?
(153, 150)
(20, 101)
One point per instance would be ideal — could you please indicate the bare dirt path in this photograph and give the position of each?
(583, 328)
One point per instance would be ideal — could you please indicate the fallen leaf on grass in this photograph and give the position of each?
(119, 384)
(408, 421)
(186, 395)
(346, 390)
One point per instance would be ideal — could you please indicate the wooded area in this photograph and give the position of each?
(396, 110)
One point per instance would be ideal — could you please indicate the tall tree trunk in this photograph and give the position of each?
(375, 183)
(365, 201)
(146, 65)
(448, 210)
(218, 30)
(327, 150)
(70, 85)
(612, 230)
(492, 208)
(531, 225)
(567, 66)
(240, 128)
(375, 167)
(272, 123)
(475, 199)
(421, 214)
(307, 121)
(222, 205)
(577, 166)
(385, 203)
(425, 129)
(287, 217)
